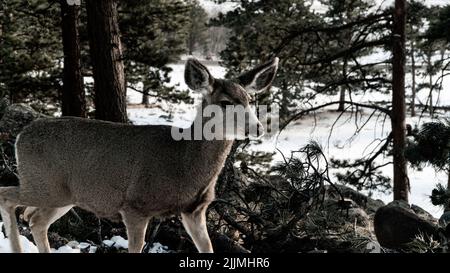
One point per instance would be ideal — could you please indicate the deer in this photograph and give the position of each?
(126, 172)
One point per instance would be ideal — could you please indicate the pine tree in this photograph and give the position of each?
(30, 51)
(401, 184)
(431, 146)
(154, 35)
(417, 13)
(310, 48)
(344, 12)
(197, 38)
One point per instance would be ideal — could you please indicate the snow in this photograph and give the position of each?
(429, 3)
(27, 246)
(117, 242)
(74, 246)
(379, 4)
(213, 8)
(158, 248)
(342, 144)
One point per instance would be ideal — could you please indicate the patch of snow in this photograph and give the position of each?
(158, 248)
(66, 249)
(213, 9)
(27, 246)
(74, 246)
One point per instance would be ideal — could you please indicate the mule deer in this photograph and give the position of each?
(126, 172)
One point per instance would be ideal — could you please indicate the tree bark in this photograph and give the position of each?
(73, 96)
(107, 63)
(413, 87)
(447, 207)
(401, 182)
(145, 96)
(430, 82)
(341, 107)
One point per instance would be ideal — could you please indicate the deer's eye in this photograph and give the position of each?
(224, 103)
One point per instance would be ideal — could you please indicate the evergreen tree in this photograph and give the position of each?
(197, 38)
(401, 183)
(154, 35)
(417, 13)
(431, 146)
(310, 48)
(30, 51)
(344, 12)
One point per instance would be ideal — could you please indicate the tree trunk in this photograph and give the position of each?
(191, 43)
(73, 97)
(107, 63)
(401, 182)
(430, 78)
(341, 107)
(347, 42)
(341, 99)
(145, 96)
(413, 87)
(447, 207)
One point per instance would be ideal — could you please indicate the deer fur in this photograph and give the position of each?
(121, 171)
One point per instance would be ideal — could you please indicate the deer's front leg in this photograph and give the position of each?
(195, 225)
(136, 226)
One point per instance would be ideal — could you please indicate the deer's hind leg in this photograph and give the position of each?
(40, 220)
(9, 197)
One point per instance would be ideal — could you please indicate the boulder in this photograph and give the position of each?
(423, 214)
(444, 220)
(369, 205)
(397, 224)
(16, 116)
(4, 103)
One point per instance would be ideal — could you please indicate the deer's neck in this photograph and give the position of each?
(212, 152)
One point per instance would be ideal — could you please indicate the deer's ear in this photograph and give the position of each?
(197, 76)
(260, 77)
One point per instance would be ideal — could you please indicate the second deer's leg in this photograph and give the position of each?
(195, 225)
(40, 220)
(136, 226)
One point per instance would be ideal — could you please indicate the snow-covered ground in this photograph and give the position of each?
(74, 246)
(341, 144)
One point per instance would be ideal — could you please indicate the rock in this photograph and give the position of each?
(397, 224)
(4, 103)
(315, 250)
(423, 214)
(223, 244)
(444, 220)
(17, 116)
(372, 247)
(358, 214)
(368, 204)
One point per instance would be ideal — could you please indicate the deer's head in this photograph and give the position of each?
(229, 100)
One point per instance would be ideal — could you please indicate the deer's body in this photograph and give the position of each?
(110, 167)
(128, 172)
